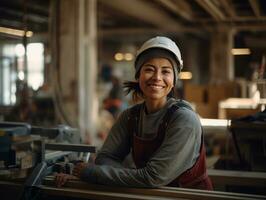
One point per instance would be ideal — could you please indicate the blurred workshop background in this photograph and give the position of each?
(63, 62)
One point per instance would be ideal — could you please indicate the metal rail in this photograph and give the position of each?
(70, 147)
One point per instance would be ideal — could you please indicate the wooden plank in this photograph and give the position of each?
(79, 189)
(14, 189)
(239, 178)
(168, 192)
(225, 195)
(98, 195)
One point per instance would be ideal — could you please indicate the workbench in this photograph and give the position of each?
(76, 189)
(233, 108)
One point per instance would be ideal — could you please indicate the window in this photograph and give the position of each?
(12, 69)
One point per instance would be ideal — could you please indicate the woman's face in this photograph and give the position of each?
(156, 78)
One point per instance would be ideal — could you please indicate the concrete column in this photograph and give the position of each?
(221, 59)
(66, 34)
(88, 102)
(191, 56)
(78, 64)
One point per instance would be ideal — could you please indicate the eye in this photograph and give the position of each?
(148, 69)
(166, 71)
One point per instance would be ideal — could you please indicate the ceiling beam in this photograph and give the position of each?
(180, 8)
(209, 7)
(145, 11)
(255, 7)
(7, 12)
(143, 31)
(228, 7)
(237, 19)
(251, 27)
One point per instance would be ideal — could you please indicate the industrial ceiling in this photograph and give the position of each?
(18, 14)
(197, 17)
(144, 15)
(182, 15)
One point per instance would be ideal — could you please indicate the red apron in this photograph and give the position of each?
(142, 150)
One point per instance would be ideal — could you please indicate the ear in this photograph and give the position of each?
(173, 83)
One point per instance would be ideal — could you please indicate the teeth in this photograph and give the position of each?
(156, 86)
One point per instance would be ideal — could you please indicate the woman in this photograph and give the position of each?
(162, 134)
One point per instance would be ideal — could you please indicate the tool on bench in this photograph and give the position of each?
(32, 184)
(27, 152)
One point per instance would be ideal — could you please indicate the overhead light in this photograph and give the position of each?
(129, 56)
(124, 56)
(15, 32)
(119, 56)
(241, 51)
(185, 75)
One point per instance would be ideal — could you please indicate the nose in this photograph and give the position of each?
(157, 75)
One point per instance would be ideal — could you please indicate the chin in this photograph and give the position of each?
(155, 97)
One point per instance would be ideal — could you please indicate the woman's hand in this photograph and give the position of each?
(61, 179)
(79, 168)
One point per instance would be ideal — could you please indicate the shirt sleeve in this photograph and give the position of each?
(117, 145)
(177, 153)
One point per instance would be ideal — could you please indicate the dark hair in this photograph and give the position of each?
(137, 94)
(133, 86)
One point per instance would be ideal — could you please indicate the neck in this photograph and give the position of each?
(154, 106)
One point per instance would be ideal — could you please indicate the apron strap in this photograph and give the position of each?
(133, 118)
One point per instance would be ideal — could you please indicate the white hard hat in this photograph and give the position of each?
(163, 43)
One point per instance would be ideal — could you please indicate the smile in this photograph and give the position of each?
(156, 86)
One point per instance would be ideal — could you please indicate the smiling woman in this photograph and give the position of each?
(161, 135)
(156, 81)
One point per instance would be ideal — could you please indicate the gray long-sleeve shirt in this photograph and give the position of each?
(177, 153)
